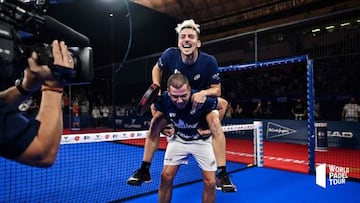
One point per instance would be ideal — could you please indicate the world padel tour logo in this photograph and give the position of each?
(276, 130)
(337, 175)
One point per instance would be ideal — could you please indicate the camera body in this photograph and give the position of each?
(82, 58)
(40, 31)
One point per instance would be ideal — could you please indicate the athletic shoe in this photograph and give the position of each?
(138, 177)
(224, 184)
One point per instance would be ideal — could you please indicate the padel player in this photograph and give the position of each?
(203, 73)
(175, 106)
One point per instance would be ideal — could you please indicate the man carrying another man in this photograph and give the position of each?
(202, 71)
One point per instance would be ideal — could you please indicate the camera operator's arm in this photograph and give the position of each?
(43, 149)
(13, 96)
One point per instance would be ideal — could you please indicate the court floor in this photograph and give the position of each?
(267, 185)
(97, 172)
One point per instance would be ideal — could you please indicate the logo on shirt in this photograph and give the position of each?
(183, 125)
(216, 76)
(197, 77)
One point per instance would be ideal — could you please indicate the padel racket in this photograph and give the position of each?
(147, 99)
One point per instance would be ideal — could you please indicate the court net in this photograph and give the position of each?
(94, 167)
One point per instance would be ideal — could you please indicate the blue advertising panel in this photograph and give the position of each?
(339, 133)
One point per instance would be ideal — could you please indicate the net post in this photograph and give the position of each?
(311, 120)
(258, 144)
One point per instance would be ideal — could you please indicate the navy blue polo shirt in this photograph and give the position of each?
(16, 132)
(186, 124)
(201, 75)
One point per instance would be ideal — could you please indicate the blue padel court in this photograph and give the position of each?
(97, 172)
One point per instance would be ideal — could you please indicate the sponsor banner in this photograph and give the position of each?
(102, 137)
(132, 122)
(286, 130)
(337, 175)
(339, 133)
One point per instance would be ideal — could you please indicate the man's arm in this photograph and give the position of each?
(43, 149)
(214, 90)
(343, 113)
(156, 79)
(12, 97)
(199, 98)
(156, 75)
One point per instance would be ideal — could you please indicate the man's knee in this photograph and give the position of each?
(166, 177)
(222, 103)
(213, 120)
(209, 183)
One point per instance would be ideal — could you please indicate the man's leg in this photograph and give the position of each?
(219, 140)
(158, 122)
(222, 106)
(209, 187)
(219, 144)
(143, 174)
(203, 152)
(166, 184)
(151, 145)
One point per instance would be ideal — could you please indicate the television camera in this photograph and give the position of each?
(23, 30)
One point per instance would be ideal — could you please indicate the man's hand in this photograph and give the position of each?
(169, 130)
(198, 99)
(36, 74)
(204, 132)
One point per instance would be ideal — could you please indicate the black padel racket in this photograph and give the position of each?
(147, 99)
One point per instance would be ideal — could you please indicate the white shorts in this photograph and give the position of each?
(178, 150)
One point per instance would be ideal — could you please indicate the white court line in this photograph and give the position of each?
(286, 160)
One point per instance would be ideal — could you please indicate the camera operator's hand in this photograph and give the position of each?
(36, 75)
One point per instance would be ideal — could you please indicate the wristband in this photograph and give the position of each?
(53, 89)
(19, 87)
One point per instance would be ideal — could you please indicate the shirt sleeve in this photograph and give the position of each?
(210, 104)
(214, 71)
(159, 103)
(16, 132)
(164, 58)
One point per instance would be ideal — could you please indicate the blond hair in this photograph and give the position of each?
(188, 24)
